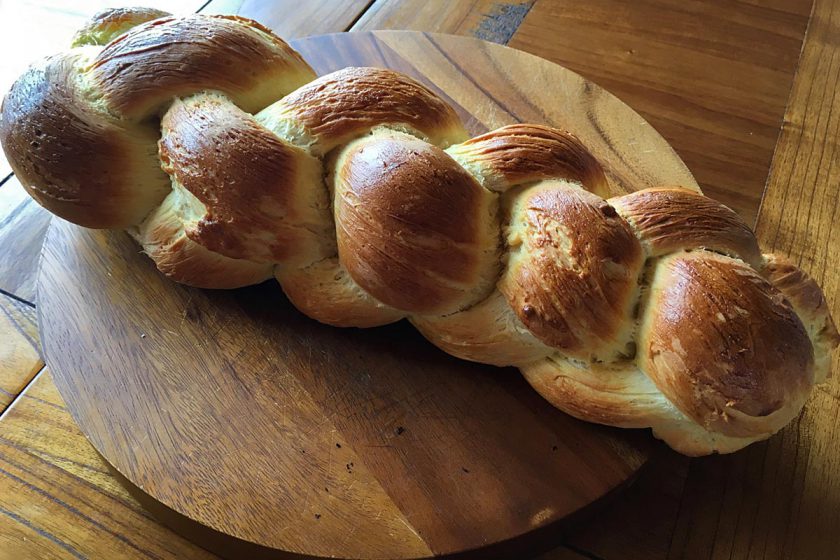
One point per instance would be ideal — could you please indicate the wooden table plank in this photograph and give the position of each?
(796, 7)
(19, 348)
(713, 76)
(486, 19)
(291, 19)
(23, 224)
(639, 524)
(777, 499)
(59, 500)
(781, 499)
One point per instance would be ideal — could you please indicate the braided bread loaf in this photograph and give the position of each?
(360, 192)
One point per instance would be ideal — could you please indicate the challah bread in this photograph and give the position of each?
(210, 140)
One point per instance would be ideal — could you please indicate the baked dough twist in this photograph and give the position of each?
(360, 192)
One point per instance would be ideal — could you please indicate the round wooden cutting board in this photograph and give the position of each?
(261, 432)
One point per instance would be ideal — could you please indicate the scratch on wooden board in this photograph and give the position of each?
(350, 533)
(410, 528)
(502, 22)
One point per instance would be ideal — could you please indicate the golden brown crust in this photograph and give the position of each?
(573, 270)
(414, 229)
(144, 69)
(616, 394)
(671, 219)
(803, 293)
(724, 345)
(107, 25)
(264, 199)
(346, 104)
(619, 394)
(808, 300)
(488, 332)
(75, 162)
(325, 292)
(522, 153)
(185, 261)
(728, 346)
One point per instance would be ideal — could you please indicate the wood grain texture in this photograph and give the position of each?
(781, 499)
(639, 526)
(59, 500)
(372, 434)
(19, 350)
(504, 86)
(23, 224)
(291, 19)
(713, 76)
(489, 20)
(748, 507)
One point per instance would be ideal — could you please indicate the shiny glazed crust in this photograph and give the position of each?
(435, 251)
(763, 358)
(273, 215)
(572, 276)
(211, 141)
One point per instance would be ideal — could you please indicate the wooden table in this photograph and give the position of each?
(744, 91)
